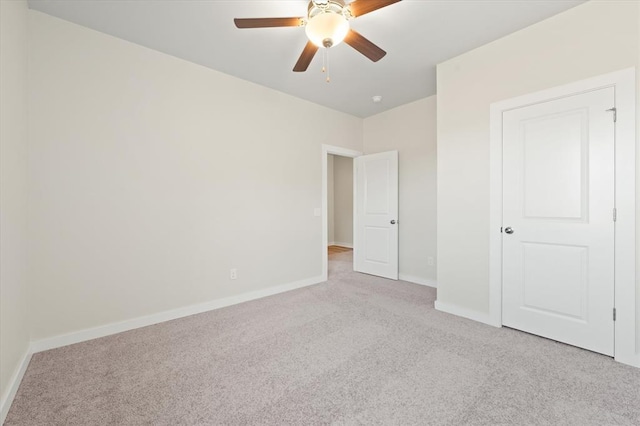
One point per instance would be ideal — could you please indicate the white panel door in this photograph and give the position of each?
(558, 239)
(376, 214)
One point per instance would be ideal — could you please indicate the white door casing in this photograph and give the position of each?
(558, 199)
(376, 214)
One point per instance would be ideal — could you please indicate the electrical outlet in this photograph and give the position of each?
(430, 261)
(233, 274)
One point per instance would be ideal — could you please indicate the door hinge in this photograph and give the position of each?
(615, 214)
(614, 110)
(614, 314)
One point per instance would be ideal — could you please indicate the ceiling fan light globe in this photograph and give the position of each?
(331, 26)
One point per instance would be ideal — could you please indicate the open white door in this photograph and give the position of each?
(376, 214)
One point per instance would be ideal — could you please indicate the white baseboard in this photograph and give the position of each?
(347, 245)
(119, 327)
(14, 384)
(466, 313)
(418, 280)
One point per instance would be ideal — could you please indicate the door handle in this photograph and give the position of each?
(508, 230)
(393, 222)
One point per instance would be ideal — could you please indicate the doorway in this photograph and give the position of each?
(340, 213)
(329, 154)
(375, 211)
(562, 258)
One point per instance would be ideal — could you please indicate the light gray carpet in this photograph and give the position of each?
(354, 350)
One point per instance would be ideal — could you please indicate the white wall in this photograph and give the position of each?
(343, 200)
(151, 177)
(14, 325)
(330, 200)
(411, 129)
(586, 41)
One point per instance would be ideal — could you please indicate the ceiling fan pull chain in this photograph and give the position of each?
(325, 68)
(324, 60)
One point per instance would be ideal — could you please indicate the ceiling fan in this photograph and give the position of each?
(326, 25)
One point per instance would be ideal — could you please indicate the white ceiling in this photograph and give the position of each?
(417, 35)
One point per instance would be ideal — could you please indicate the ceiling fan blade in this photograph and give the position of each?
(361, 7)
(268, 22)
(306, 57)
(364, 46)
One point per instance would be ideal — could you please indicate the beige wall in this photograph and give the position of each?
(151, 177)
(411, 129)
(330, 197)
(586, 41)
(343, 200)
(14, 325)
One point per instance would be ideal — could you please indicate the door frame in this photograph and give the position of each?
(627, 339)
(343, 152)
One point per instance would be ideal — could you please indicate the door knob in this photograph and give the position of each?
(393, 222)
(508, 230)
